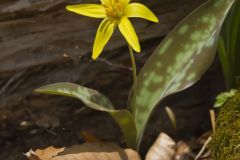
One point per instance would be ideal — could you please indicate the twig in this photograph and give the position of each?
(119, 66)
(14, 78)
(172, 118)
(213, 119)
(203, 148)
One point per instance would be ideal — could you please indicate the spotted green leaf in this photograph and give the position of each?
(180, 60)
(97, 101)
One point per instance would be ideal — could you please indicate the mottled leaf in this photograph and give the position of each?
(97, 101)
(180, 60)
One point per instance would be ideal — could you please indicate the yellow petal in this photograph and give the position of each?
(113, 2)
(106, 2)
(140, 11)
(124, 2)
(129, 33)
(90, 10)
(104, 33)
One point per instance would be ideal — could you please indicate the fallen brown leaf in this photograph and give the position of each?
(89, 151)
(164, 148)
(182, 150)
(43, 154)
(89, 138)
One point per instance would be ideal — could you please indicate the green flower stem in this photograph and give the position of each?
(134, 70)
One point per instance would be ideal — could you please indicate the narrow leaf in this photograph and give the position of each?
(180, 60)
(97, 101)
(225, 60)
(229, 50)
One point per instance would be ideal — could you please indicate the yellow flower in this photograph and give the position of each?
(115, 13)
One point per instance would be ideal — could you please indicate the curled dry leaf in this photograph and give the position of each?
(182, 150)
(44, 154)
(89, 151)
(164, 148)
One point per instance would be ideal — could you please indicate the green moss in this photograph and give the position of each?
(225, 144)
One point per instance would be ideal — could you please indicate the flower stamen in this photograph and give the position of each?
(114, 11)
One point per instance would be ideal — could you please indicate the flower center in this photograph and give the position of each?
(114, 11)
